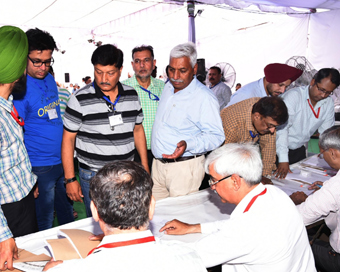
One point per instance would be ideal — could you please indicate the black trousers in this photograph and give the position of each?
(325, 259)
(150, 158)
(296, 155)
(20, 216)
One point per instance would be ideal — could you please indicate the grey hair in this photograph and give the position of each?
(330, 138)
(185, 50)
(241, 159)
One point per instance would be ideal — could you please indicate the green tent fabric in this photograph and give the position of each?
(13, 53)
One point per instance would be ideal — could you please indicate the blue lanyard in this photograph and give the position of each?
(252, 135)
(44, 91)
(114, 104)
(155, 97)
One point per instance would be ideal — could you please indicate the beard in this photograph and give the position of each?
(20, 85)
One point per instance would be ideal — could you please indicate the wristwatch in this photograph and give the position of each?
(66, 181)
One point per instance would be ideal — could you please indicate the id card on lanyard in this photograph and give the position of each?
(115, 119)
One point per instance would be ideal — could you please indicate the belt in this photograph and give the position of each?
(162, 160)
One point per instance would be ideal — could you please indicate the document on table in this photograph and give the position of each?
(317, 165)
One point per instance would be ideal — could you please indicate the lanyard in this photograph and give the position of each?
(114, 104)
(253, 200)
(310, 105)
(44, 91)
(125, 243)
(252, 135)
(16, 117)
(151, 95)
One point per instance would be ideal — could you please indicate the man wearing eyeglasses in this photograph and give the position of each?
(149, 90)
(255, 120)
(43, 130)
(264, 232)
(310, 109)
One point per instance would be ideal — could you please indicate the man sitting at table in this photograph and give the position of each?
(325, 204)
(264, 233)
(122, 203)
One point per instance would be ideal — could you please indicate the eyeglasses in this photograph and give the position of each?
(321, 154)
(39, 63)
(323, 90)
(211, 182)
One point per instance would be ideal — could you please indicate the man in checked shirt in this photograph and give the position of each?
(255, 120)
(17, 212)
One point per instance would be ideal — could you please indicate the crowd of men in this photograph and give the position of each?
(169, 130)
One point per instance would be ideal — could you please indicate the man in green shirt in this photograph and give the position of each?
(149, 90)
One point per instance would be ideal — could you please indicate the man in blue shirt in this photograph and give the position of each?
(187, 126)
(43, 130)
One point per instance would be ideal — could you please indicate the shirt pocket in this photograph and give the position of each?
(179, 119)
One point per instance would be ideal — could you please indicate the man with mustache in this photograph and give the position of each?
(186, 127)
(17, 212)
(219, 88)
(149, 89)
(255, 120)
(102, 123)
(277, 78)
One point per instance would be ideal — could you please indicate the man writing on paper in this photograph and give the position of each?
(310, 108)
(325, 204)
(122, 203)
(255, 120)
(17, 212)
(264, 232)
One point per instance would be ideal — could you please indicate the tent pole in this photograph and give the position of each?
(191, 12)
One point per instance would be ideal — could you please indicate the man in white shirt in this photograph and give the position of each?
(310, 109)
(325, 204)
(220, 89)
(277, 78)
(264, 232)
(122, 203)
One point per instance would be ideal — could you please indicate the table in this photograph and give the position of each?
(199, 207)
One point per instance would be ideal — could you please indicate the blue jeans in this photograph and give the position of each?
(52, 196)
(85, 177)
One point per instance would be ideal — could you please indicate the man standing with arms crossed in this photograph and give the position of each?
(149, 90)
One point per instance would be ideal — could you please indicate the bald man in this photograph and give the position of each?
(17, 212)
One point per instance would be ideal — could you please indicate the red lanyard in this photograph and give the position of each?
(125, 243)
(16, 117)
(316, 115)
(253, 200)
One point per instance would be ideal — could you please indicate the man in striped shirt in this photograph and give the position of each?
(103, 121)
(17, 212)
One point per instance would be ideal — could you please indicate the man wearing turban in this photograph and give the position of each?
(277, 78)
(17, 212)
(40, 107)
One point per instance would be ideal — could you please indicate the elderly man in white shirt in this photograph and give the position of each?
(122, 203)
(325, 204)
(310, 108)
(265, 232)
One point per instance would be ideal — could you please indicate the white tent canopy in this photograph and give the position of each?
(247, 34)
